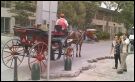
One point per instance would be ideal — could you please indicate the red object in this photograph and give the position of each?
(57, 33)
(62, 23)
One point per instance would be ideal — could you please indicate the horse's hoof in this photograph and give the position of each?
(79, 56)
(76, 55)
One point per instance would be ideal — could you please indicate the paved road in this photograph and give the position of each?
(89, 51)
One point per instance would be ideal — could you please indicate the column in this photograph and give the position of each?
(12, 24)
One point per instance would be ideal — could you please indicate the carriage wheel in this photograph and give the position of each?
(56, 52)
(10, 49)
(38, 54)
(68, 52)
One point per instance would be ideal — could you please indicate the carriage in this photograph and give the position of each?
(91, 34)
(33, 43)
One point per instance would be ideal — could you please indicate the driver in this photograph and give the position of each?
(63, 22)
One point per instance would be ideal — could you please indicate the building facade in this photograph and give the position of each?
(7, 21)
(104, 21)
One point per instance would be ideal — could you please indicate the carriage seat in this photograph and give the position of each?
(57, 31)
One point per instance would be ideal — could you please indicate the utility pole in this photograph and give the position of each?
(47, 11)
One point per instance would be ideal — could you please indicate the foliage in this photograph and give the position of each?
(126, 11)
(78, 13)
(22, 10)
(127, 14)
(103, 35)
(91, 8)
(119, 33)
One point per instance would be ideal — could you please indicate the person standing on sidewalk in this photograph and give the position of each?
(116, 49)
(124, 53)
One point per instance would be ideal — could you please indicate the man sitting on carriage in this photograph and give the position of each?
(62, 24)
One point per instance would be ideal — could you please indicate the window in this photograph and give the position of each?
(99, 27)
(107, 18)
(119, 29)
(2, 24)
(24, 23)
(99, 16)
(6, 4)
(32, 22)
(5, 24)
(2, 3)
(107, 29)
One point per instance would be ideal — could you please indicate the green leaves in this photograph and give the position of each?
(78, 13)
(22, 10)
(126, 12)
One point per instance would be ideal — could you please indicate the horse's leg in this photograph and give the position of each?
(80, 46)
(76, 50)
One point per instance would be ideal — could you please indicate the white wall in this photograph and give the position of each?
(6, 13)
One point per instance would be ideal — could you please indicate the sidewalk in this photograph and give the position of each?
(103, 72)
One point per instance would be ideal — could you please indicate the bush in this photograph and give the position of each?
(119, 34)
(103, 35)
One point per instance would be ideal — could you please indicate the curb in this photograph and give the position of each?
(68, 73)
(100, 58)
(76, 73)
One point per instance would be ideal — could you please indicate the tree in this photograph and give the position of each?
(74, 11)
(109, 5)
(127, 14)
(22, 10)
(78, 13)
(91, 9)
(126, 11)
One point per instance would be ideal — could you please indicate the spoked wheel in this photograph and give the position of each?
(12, 48)
(69, 52)
(38, 54)
(56, 51)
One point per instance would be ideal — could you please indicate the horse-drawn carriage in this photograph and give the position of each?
(91, 34)
(33, 43)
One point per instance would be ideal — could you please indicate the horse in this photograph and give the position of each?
(76, 37)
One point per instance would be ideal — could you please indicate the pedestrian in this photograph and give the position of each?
(63, 23)
(124, 53)
(116, 50)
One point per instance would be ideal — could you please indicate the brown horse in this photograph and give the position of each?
(75, 37)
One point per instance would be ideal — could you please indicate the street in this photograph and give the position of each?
(90, 50)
